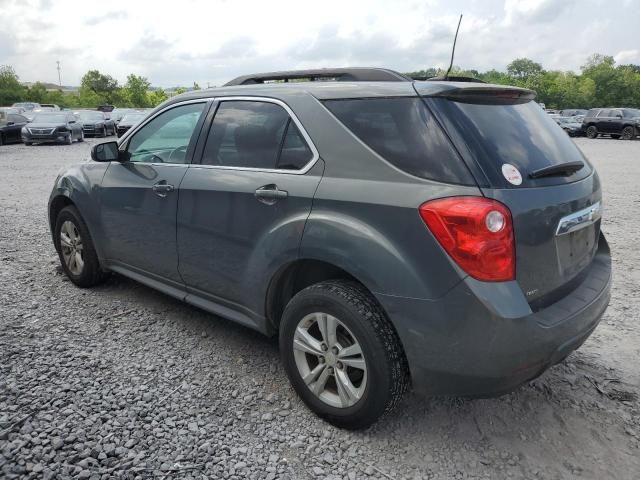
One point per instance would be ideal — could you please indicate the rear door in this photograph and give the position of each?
(242, 210)
(556, 217)
(603, 121)
(139, 196)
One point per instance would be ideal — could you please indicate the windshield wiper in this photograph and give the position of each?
(560, 170)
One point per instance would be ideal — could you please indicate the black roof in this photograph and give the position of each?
(335, 74)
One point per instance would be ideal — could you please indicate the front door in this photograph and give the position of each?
(139, 196)
(242, 210)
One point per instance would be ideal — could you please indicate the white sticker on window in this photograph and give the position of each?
(512, 174)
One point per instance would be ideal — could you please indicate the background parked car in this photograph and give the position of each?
(96, 123)
(27, 105)
(51, 106)
(570, 125)
(11, 126)
(617, 122)
(128, 121)
(573, 112)
(52, 127)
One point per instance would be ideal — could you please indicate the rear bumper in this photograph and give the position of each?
(482, 339)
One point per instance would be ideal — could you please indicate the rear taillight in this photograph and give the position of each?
(476, 232)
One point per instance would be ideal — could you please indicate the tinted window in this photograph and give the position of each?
(403, 132)
(604, 113)
(631, 113)
(12, 117)
(246, 134)
(165, 138)
(295, 153)
(50, 118)
(522, 135)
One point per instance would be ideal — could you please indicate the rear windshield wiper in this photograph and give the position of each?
(560, 170)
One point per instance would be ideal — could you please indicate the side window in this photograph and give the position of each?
(12, 117)
(295, 153)
(165, 138)
(253, 134)
(616, 113)
(604, 113)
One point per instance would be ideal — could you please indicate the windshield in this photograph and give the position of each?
(91, 116)
(50, 118)
(522, 135)
(132, 118)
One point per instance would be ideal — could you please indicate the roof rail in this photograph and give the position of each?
(323, 74)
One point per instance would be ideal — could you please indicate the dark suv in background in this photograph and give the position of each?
(617, 122)
(390, 232)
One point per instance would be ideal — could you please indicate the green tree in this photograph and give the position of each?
(523, 69)
(37, 93)
(11, 90)
(135, 91)
(98, 87)
(157, 97)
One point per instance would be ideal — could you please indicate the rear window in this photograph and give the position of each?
(522, 135)
(404, 133)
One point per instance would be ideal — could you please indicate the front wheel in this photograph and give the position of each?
(628, 133)
(592, 132)
(75, 249)
(342, 356)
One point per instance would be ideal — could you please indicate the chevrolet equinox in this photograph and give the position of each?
(443, 235)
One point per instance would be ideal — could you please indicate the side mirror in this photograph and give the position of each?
(72, 121)
(618, 116)
(105, 152)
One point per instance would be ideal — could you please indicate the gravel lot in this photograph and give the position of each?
(124, 382)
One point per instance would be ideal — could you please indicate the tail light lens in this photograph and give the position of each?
(476, 232)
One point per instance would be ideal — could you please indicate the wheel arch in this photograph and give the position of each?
(294, 277)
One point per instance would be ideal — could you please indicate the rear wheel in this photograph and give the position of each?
(341, 354)
(628, 133)
(75, 249)
(592, 132)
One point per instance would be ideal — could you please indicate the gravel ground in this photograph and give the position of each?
(124, 382)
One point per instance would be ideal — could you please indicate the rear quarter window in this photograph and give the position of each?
(403, 132)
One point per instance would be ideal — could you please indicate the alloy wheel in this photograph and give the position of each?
(330, 360)
(72, 247)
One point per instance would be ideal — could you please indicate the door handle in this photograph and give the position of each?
(270, 194)
(162, 188)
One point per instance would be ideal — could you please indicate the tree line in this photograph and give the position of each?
(600, 83)
(96, 89)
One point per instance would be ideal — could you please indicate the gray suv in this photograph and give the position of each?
(434, 234)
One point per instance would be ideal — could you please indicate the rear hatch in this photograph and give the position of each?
(522, 158)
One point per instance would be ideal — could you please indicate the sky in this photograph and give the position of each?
(213, 41)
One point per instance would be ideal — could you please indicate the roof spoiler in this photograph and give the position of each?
(323, 74)
(488, 94)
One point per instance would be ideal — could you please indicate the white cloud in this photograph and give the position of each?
(628, 56)
(212, 41)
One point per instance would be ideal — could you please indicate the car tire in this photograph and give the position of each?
(628, 133)
(75, 249)
(592, 131)
(354, 376)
